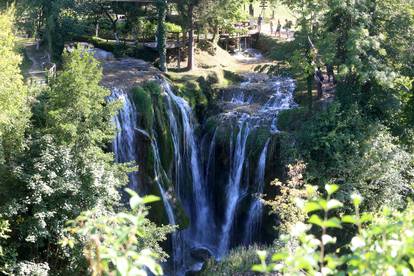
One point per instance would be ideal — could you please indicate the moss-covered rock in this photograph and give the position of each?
(153, 118)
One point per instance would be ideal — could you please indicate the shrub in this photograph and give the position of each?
(383, 243)
(125, 243)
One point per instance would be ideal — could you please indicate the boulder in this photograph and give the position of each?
(201, 254)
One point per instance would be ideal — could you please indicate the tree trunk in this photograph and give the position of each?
(216, 35)
(161, 34)
(190, 64)
(114, 28)
(97, 28)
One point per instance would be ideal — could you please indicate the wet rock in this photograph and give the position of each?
(103, 55)
(201, 254)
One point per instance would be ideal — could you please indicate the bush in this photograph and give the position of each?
(32, 269)
(383, 243)
(238, 262)
(125, 243)
(344, 146)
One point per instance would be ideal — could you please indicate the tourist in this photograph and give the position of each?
(259, 23)
(286, 27)
(271, 27)
(278, 28)
(319, 81)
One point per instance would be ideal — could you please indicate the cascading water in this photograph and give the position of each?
(124, 147)
(202, 218)
(233, 187)
(124, 143)
(254, 217)
(212, 185)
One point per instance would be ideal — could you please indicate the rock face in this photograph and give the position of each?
(127, 73)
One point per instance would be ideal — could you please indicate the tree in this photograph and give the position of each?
(78, 114)
(13, 92)
(125, 243)
(64, 169)
(219, 15)
(161, 34)
(187, 9)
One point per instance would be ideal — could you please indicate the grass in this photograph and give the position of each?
(281, 12)
(238, 262)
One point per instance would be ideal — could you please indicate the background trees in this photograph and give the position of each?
(13, 92)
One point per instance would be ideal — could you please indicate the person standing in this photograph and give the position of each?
(286, 27)
(271, 27)
(278, 28)
(259, 23)
(319, 82)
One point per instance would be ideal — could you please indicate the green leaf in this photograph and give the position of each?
(332, 223)
(279, 256)
(356, 199)
(122, 266)
(315, 219)
(130, 192)
(259, 268)
(349, 219)
(331, 188)
(328, 239)
(150, 199)
(262, 254)
(334, 204)
(366, 217)
(312, 206)
(323, 204)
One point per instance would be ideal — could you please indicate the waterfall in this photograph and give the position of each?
(201, 216)
(210, 157)
(124, 147)
(233, 186)
(199, 185)
(124, 142)
(254, 217)
(159, 174)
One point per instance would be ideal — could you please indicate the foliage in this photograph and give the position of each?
(64, 169)
(382, 245)
(310, 257)
(238, 262)
(32, 269)
(5, 263)
(343, 145)
(284, 204)
(173, 28)
(125, 243)
(78, 114)
(13, 92)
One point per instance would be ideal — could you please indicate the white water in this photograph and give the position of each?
(124, 143)
(254, 217)
(124, 147)
(233, 187)
(202, 216)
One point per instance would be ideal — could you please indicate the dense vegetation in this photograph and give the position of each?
(343, 207)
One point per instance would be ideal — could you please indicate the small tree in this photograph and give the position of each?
(124, 244)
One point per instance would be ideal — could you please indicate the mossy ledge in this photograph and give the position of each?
(153, 118)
